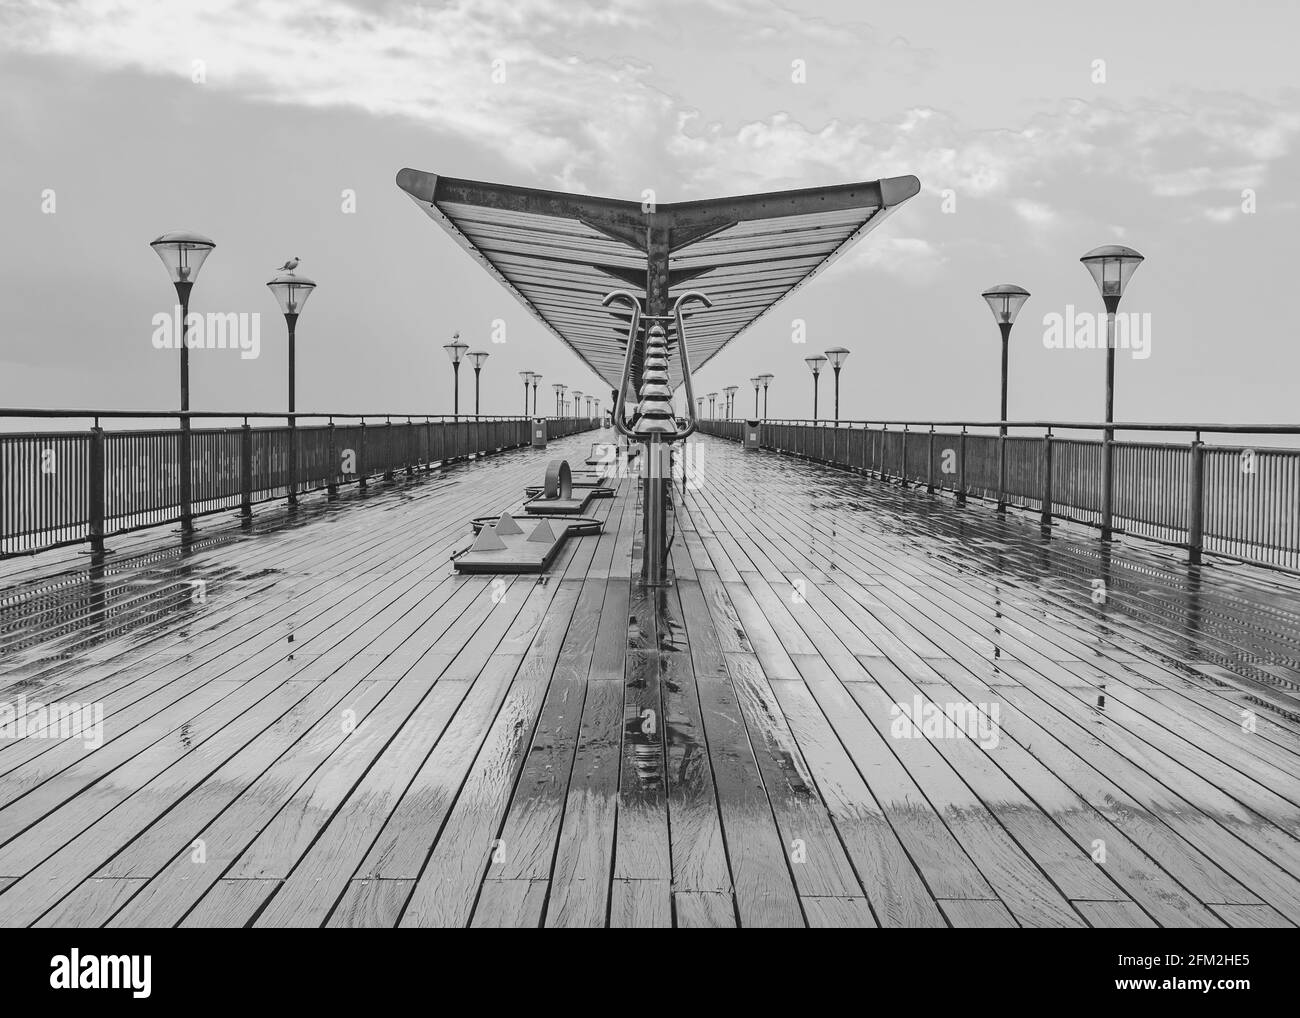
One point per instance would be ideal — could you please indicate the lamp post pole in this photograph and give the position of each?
(1005, 301)
(536, 379)
(766, 380)
(815, 364)
(755, 382)
(837, 356)
(291, 292)
(291, 320)
(183, 254)
(527, 377)
(455, 350)
(476, 359)
(1111, 266)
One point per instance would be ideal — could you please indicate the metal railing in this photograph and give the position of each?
(1237, 501)
(65, 487)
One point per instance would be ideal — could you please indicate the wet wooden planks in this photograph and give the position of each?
(343, 732)
(810, 564)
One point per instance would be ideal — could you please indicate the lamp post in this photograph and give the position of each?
(815, 363)
(183, 254)
(731, 399)
(527, 377)
(291, 292)
(837, 356)
(558, 389)
(1112, 266)
(476, 358)
(455, 350)
(536, 380)
(766, 380)
(699, 407)
(577, 402)
(1005, 301)
(756, 381)
(713, 399)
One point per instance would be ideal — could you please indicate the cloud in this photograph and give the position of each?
(1221, 215)
(595, 119)
(911, 259)
(1034, 213)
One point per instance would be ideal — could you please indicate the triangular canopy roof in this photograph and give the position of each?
(561, 253)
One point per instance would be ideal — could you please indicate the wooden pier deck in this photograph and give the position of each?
(314, 721)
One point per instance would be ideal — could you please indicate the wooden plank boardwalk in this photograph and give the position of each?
(312, 720)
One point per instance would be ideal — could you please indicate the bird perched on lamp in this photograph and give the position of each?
(290, 265)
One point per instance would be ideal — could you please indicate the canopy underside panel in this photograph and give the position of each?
(559, 254)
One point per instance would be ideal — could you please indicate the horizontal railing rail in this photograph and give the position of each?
(1237, 501)
(60, 487)
(18, 413)
(1171, 428)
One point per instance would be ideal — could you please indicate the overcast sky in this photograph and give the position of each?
(1000, 108)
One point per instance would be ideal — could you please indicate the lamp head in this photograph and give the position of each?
(1112, 266)
(455, 349)
(837, 355)
(1005, 300)
(182, 254)
(291, 291)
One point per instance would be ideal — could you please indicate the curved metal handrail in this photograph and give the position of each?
(689, 295)
(621, 402)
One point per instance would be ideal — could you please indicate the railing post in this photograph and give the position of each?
(388, 448)
(428, 445)
(961, 467)
(406, 448)
(902, 468)
(246, 470)
(1196, 502)
(96, 488)
(1046, 516)
(880, 458)
(1107, 484)
(186, 471)
(331, 486)
(929, 464)
(293, 461)
(361, 456)
(1002, 471)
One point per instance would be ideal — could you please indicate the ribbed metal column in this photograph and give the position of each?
(657, 426)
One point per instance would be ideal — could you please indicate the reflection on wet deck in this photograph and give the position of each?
(856, 706)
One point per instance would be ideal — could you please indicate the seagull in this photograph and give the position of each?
(290, 265)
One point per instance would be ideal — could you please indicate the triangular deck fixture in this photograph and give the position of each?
(507, 525)
(541, 532)
(488, 540)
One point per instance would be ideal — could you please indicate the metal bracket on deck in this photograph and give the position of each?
(656, 424)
